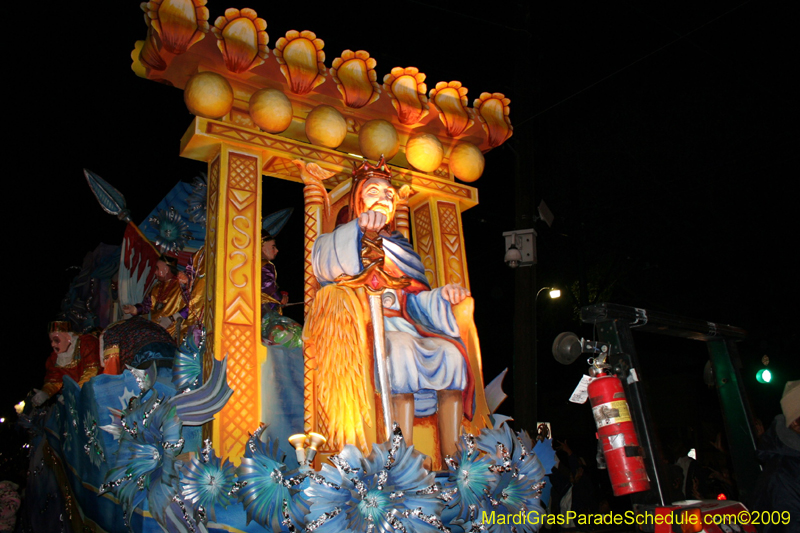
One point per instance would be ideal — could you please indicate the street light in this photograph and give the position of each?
(554, 293)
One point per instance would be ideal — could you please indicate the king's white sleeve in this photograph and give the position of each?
(336, 253)
(430, 309)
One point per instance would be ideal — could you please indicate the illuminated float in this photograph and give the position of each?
(292, 437)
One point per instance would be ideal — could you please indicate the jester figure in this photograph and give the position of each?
(74, 355)
(428, 365)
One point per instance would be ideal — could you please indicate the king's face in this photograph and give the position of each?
(378, 195)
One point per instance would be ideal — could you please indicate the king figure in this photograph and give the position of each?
(428, 365)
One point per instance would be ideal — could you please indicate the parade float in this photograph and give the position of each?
(219, 414)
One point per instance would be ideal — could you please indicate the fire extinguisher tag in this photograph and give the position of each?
(581, 392)
(609, 413)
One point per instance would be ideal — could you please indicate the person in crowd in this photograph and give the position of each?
(9, 505)
(778, 486)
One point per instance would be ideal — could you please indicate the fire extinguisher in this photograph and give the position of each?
(624, 456)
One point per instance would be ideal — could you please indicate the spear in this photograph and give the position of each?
(111, 200)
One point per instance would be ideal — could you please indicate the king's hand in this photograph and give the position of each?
(372, 221)
(454, 293)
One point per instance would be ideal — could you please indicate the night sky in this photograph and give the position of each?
(663, 136)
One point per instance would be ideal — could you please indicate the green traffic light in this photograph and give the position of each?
(764, 376)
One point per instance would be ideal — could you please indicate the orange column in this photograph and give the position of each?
(233, 319)
(313, 198)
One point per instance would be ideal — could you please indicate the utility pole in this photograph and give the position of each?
(525, 365)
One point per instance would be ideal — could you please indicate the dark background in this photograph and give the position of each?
(662, 135)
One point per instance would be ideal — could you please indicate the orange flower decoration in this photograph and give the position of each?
(302, 60)
(241, 39)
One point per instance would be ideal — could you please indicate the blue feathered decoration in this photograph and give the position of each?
(199, 406)
(187, 368)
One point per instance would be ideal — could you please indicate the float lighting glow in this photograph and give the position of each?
(764, 376)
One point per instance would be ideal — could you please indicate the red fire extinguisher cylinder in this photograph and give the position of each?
(617, 434)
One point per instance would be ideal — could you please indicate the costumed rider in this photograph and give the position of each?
(271, 298)
(168, 299)
(428, 365)
(276, 329)
(76, 356)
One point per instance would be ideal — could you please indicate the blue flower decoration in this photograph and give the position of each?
(387, 491)
(521, 476)
(270, 493)
(149, 433)
(208, 482)
(173, 231)
(472, 477)
(147, 465)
